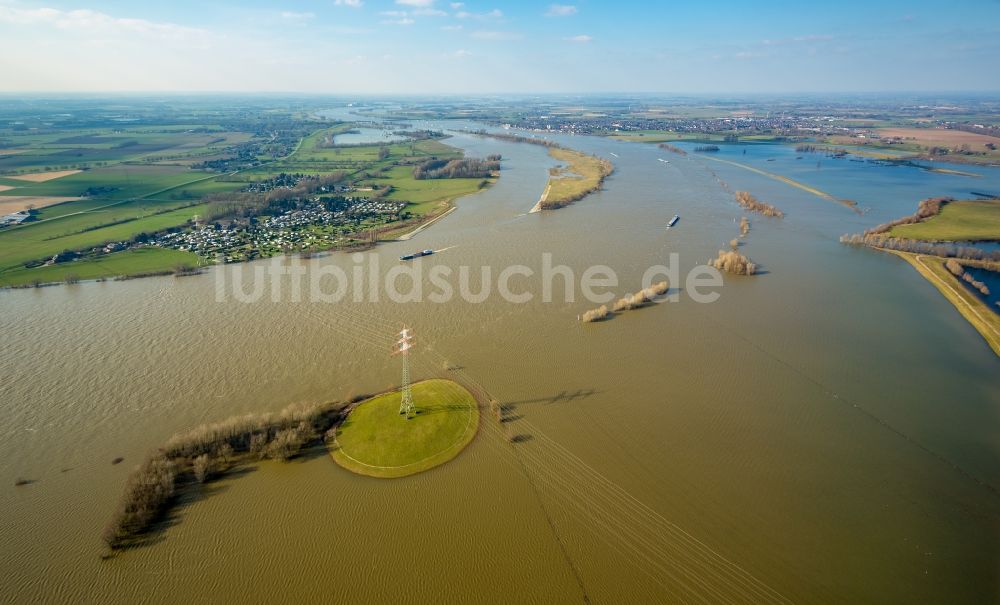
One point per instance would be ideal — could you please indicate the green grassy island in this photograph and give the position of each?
(377, 441)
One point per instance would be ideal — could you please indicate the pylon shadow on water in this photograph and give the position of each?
(562, 397)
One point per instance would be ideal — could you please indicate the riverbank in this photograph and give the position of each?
(128, 264)
(922, 240)
(974, 310)
(409, 229)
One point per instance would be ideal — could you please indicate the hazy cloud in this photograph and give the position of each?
(798, 40)
(297, 17)
(96, 23)
(348, 30)
(491, 35)
(43, 45)
(396, 18)
(560, 10)
(493, 14)
(429, 12)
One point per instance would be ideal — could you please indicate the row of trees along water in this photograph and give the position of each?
(209, 451)
(628, 302)
(463, 168)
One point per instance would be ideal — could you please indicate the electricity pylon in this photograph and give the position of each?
(403, 347)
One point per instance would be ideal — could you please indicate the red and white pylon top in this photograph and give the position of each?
(405, 342)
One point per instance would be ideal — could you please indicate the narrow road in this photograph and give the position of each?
(971, 308)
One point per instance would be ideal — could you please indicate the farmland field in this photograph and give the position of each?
(974, 220)
(42, 177)
(90, 187)
(424, 194)
(128, 263)
(14, 203)
(39, 241)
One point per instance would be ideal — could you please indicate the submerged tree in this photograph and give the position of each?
(595, 314)
(201, 467)
(733, 262)
(751, 203)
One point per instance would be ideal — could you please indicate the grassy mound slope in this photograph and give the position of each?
(376, 440)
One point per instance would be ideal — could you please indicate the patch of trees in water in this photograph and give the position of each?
(209, 451)
(517, 138)
(733, 262)
(672, 148)
(751, 203)
(598, 314)
(626, 303)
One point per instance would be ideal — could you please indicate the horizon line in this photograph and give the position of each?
(10, 93)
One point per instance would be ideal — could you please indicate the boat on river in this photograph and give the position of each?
(414, 255)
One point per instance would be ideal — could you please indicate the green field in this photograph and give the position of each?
(377, 441)
(123, 181)
(136, 199)
(42, 240)
(970, 220)
(129, 263)
(139, 181)
(424, 194)
(93, 148)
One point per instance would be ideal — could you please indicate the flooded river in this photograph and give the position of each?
(824, 432)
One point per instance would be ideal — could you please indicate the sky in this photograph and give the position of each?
(488, 47)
